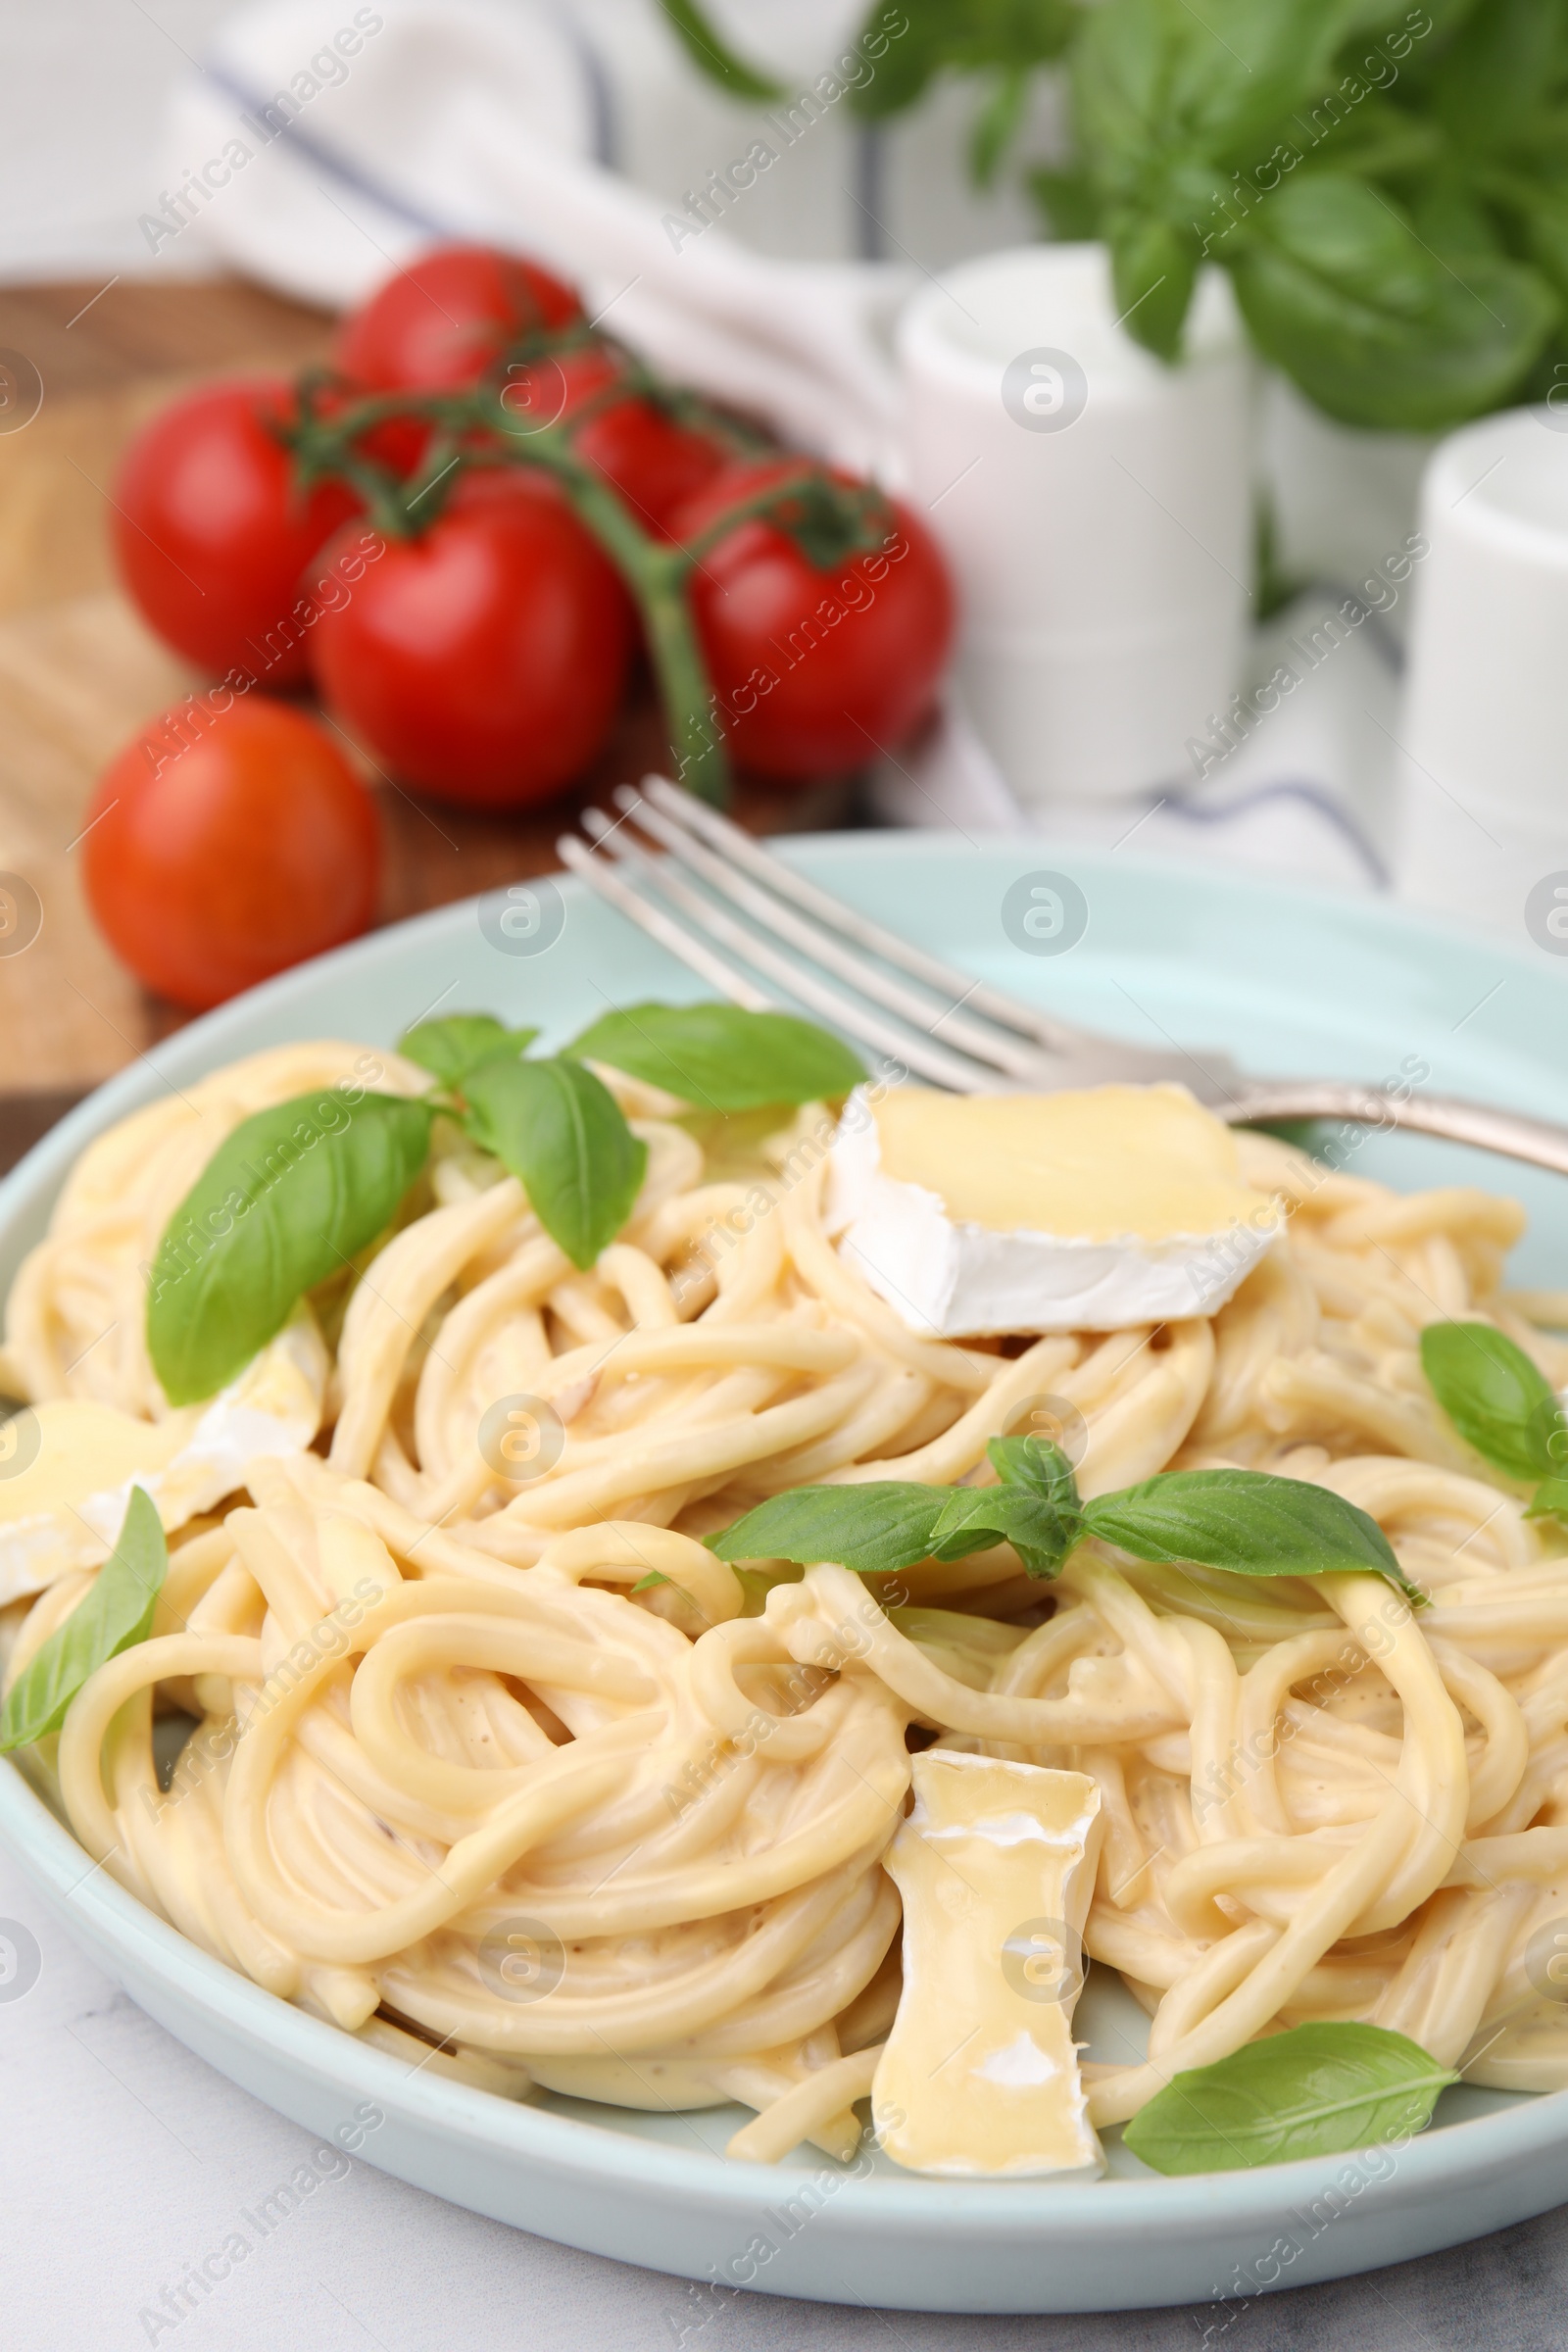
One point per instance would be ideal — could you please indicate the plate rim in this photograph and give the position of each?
(51, 1859)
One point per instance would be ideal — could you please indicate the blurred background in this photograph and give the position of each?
(1213, 356)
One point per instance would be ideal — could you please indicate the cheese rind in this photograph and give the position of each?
(1079, 1211)
(64, 1509)
(995, 1866)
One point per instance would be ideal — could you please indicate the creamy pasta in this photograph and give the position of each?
(494, 1759)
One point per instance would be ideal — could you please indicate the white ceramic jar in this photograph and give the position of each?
(1095, 506)
(1484, 733)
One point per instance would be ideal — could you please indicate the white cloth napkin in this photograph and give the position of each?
(462, 117)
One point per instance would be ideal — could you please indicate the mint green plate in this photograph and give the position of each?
(1289, 983)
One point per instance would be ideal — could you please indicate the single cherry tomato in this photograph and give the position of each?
(484, 661)
(228, 840)
(210, 535)
(815, 666)
(654, 463)
(447, 318)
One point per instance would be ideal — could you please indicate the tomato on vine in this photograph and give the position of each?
(825, 638)
(448, 319)
(211, 534)
(644, 452)
(485, 660)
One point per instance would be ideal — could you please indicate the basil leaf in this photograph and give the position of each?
(913, 43)
(977, 1517)
(1036, 1508)
(712, 56)
(1315, 2090)
(1496, 74)
(1168, 100)
(1495, 1397)
(116, 1611)
(1339, 290)
(1156, 84)
(1037, 1463)
(1154, 270)
(1246, 1520)
(1380, 19)
(1544, 220)
(1446, 216)
(457, 1042)
(286, 1200)
(720, 1058)
(1550, 1500)
(1069, 202)
(995, 125)
(871, 1528)
(554, 1124)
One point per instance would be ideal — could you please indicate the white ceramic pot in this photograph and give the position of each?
(1484, 736)
(1095, 508)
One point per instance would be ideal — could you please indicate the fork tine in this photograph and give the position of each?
(1059, 1037)
(1000, 1048)
(920, 1054)
(601, 878)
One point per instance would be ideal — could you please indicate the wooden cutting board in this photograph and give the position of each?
(79, 675)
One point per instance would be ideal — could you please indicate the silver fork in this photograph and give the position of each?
(757, 922)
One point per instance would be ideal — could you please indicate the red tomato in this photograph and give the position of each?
(210, 535)
(815, 669)
(228, 840)
(486, 660)
(654, 462)
(447, 318)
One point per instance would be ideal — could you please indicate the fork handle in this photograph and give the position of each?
(1457, 1121)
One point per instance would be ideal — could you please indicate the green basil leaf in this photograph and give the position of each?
(1157, 82)
(1377, 19)
(1499, 69)
(1153, 270)
(1168, 100)
(1495, 1397)
(1339, 290)
(554, 1124)
(1069, 202)
(719, 1057)
(908, 46)
(713, 56)
(116, 1611)
(907, 63)
(285, 1201)
(1382, 140)
(459, 1041)
(977, 1517)
(1550, 1499)
(873, 1529)
(1446, 215)
(1544, 219)
(1315, 2090)
(1246, 1520)
(995, 125)
(1037, 1463)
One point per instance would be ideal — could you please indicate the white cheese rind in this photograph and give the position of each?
(980, 2073)
(185, 1463)
(949, 1279)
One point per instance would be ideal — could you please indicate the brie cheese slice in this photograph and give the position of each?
(63, 1508)
(995, 1866)
(1076, 1211)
